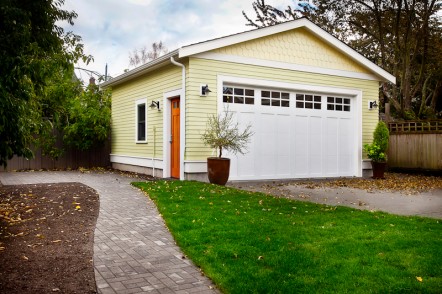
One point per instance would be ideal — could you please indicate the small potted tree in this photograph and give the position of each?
(376, 151)
(223, 134)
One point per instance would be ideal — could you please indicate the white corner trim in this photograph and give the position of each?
(195, 166)
(183, 105)
(290, 25)
(137, 161)
(138, 102)
(285, 65)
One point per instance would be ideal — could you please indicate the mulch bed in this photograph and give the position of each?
(46, 238)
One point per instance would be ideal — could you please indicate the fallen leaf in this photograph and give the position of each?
(260, 257)
(24, 258)
(419, 279)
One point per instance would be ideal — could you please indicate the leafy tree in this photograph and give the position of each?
(30, 41)
(402, 36)
(51, 113)
(142, 56)
(89, 118)
(223, 133)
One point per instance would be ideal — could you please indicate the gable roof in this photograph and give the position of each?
(201, 47)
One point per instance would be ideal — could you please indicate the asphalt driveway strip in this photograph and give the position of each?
(426, 203)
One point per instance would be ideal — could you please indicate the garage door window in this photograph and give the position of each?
(238, 95)
(338, 104)
(308, 101)
(275, 98)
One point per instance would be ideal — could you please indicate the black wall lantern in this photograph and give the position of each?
(372, 105)
(155, 104)
(204, 90)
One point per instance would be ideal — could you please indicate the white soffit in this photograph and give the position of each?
(283, 27)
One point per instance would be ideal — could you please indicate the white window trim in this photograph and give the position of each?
(167, 96)
(138, 102)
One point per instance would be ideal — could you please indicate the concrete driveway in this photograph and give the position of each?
(427, 204)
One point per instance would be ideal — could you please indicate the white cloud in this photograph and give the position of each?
(112, 28)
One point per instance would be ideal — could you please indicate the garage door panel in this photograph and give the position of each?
(331, 146)
(315, 145)
(291, 142)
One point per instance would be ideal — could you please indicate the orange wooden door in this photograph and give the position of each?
(175, 139)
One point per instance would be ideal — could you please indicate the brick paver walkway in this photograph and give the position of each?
(133, 250)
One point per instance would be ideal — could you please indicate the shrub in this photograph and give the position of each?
(377, 150)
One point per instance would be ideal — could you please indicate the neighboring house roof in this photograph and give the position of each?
(209, 45)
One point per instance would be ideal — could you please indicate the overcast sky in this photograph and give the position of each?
(110, 29)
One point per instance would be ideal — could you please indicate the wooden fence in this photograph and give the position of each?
(415, 145)
(71, 158)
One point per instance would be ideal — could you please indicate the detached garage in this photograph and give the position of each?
(306, 94)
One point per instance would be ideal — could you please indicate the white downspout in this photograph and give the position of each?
(154, 149)
(182, 116)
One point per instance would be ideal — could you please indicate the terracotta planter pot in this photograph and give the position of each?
(218, 170)
(378, 169)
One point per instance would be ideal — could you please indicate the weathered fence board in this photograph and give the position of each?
(415, 151)
(96, 157)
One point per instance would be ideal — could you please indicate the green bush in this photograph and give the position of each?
(377, 150)
(381, 136)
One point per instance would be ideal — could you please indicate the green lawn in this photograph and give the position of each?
(251, 243)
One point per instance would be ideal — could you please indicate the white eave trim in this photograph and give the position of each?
(285, 65)
(138, 71)
(263, 32)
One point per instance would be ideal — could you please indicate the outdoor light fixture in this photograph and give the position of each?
(372, 105)
(204, 90)
(155, 104)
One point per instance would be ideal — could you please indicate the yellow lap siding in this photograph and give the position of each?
(310, 50)
(203, 71)
(151, 86)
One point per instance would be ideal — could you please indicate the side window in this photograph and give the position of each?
(141, 121)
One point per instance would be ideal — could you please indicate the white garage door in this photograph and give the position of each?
(296, 134)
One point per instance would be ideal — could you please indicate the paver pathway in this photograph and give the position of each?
(133, 250)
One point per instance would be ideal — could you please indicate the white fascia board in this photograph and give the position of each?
(263, 32)
(138, 71)
(386, 76)
(239, 38)
(285, 65)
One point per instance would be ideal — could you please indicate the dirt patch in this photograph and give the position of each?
(46, 238)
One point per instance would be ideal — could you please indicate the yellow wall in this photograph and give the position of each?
(203, 71)
(150, 86)
(297, 46)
